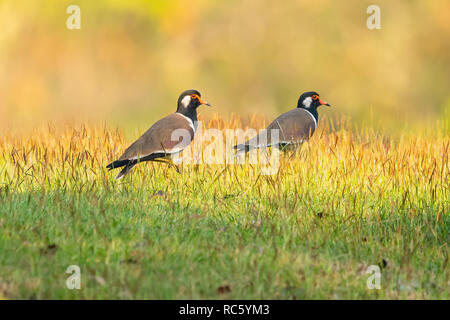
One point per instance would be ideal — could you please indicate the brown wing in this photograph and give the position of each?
(169, 135)
(294, 126)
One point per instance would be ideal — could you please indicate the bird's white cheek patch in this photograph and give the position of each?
(186, 101)
(307, 102)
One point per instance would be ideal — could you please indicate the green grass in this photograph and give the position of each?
(218, 232)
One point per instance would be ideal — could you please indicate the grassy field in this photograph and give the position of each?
(349, 199)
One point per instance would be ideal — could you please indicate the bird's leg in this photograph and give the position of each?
(169, 162)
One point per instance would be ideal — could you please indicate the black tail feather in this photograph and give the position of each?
(129, 164)
(117, 164)
(126, 169)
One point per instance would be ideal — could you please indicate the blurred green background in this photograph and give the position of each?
(131, 59)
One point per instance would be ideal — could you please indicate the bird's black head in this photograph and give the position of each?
(190, 100)
(310, 101)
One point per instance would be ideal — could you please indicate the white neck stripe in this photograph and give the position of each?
(191, 123)
(314, 118)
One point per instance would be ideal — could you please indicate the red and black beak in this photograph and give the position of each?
(204, 102)
(323, 102)
(200, 100)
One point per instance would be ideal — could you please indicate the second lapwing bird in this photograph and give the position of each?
(294, 127)
(158, 142)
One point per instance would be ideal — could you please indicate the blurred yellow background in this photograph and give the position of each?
(130, 60)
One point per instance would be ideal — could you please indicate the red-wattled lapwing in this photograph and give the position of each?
(295, 126)
(157, 143)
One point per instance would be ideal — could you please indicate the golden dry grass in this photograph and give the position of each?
(372, 162)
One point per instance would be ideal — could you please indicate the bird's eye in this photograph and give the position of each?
(194, 96)
(315, 97)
